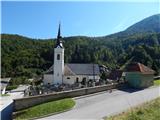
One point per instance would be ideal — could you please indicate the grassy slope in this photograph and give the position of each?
(46, 108)
(147, 111)
(156, 82)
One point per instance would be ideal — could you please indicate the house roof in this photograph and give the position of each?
(4, 82)
(138, 67)
(78, 69)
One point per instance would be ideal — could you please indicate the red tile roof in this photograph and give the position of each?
(138, 67)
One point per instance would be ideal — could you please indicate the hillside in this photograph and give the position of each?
(26, 57)
(150, 24)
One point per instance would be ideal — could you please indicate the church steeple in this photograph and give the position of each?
(59, 42)
(59, 31)
(58, 59)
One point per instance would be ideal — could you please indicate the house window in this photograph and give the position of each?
(68, 77)
(58, 56)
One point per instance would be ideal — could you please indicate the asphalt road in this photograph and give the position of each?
(105, 104)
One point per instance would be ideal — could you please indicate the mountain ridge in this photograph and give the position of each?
(27, 57)
(139, 27)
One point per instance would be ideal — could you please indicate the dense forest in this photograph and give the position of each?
(24, 57)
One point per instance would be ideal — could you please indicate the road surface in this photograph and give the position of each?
(106, 104)
(6, 102)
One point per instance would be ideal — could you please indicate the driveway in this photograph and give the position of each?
(105, 104)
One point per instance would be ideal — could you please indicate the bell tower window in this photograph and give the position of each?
(58, 56)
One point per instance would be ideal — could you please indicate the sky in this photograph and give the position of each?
(40, 19)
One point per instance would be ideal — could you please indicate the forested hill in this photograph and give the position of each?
(149, 24)
(22, 56)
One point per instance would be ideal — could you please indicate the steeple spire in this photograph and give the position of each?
(59, 31)
(59, 42)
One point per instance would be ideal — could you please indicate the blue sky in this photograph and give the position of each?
(40, 19)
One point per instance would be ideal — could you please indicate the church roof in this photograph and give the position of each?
(78, 69)
(59, 37)
(84, 69)
(68, 71)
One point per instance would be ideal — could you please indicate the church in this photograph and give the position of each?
(69, 73)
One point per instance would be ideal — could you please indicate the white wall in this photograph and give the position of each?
(4, 90)
(48, 78)
(96, 77)
(72, 79)
(58, 65)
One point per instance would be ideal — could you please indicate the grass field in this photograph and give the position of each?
(156, 82)
(46, 108)
(147, 111)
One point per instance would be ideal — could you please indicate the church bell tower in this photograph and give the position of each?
(58, 59)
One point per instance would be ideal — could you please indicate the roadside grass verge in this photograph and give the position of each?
(3, 95)
(157, 82)
(46, 109)
(147, 111)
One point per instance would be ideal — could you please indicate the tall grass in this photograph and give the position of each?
(147, 111)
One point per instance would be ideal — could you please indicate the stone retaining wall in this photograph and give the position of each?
(26, 102)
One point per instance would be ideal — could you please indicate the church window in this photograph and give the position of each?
(77, 80)
(84, 81)
(58, 56)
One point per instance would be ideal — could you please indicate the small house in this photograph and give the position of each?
(4, 83)
(139, 75)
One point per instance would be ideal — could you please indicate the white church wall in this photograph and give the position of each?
(48, 78)
(81, 77)
(96, 77)
(58, 65)
(73, 79)
(69, 80)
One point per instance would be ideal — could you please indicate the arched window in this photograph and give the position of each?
(58, 56)
(84, 81)
(77, 80)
